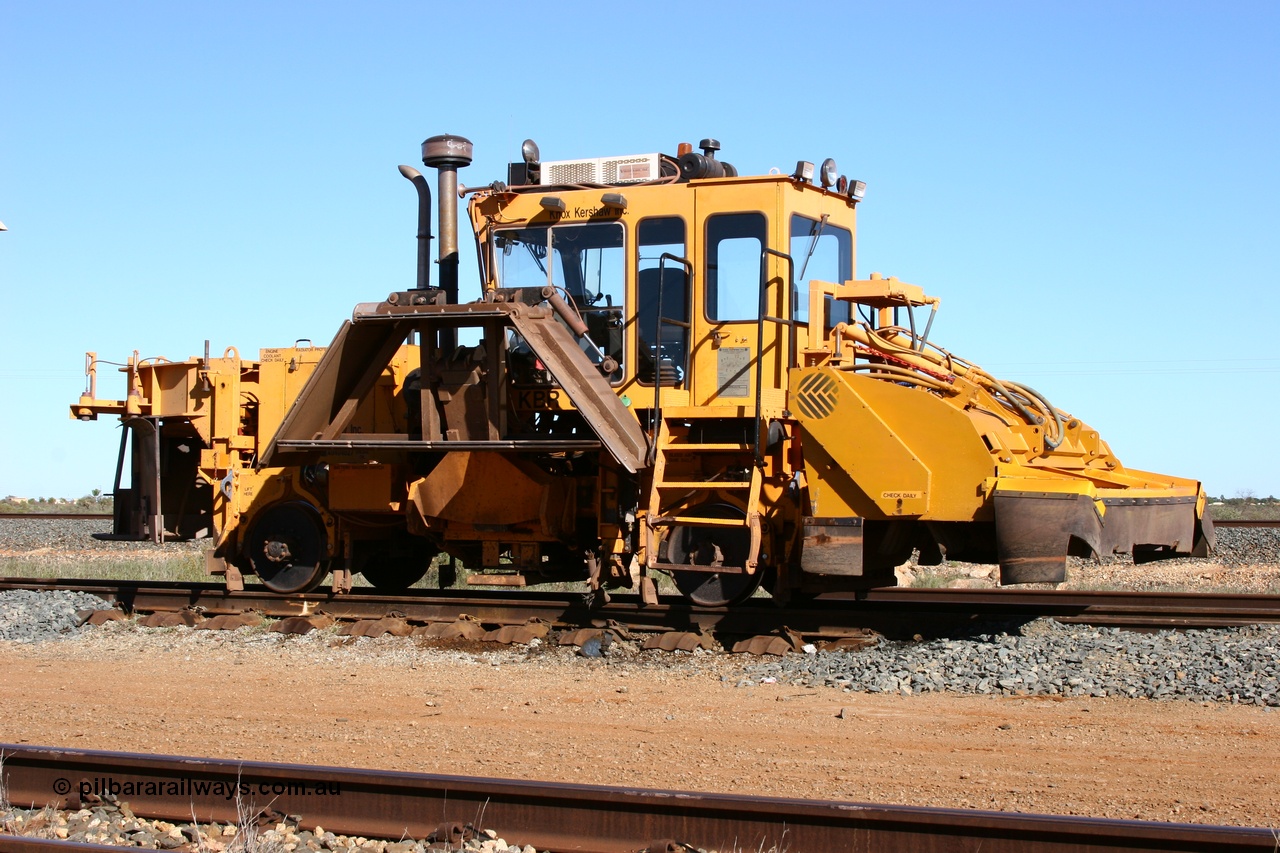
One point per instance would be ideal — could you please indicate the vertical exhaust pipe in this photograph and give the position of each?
(424, 225)
(447, 153)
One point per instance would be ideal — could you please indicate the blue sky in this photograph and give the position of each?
(1088, 186)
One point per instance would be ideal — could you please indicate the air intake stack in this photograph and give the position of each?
(447, 153)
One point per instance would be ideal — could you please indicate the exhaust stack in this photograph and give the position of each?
(424, 225)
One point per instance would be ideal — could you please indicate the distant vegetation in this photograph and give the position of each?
(1245, 506)
(92, 502)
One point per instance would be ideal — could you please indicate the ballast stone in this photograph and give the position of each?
(29, 616)
(1239, 665)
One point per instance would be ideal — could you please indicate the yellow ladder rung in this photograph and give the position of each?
(685, 447)
(705, 484)
(695, 521)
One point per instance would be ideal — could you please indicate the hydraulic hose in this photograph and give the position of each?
(1052, 443)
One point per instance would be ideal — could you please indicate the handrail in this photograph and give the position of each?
(791, 338)
(656, 415)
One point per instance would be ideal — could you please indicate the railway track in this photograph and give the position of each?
(1270, 522)
(74, 516)
(93, 516)
(560, 817)
(106, 516)
(893, 612)
(897, 613)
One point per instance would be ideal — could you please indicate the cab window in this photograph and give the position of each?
(823, 252)
(586, 262)
(735, 245)
(662, 293)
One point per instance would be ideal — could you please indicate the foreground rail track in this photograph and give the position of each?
(563, 817)
(893, 612)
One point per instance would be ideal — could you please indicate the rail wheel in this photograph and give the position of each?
(712, 546)
(287, 549)
(395, 566)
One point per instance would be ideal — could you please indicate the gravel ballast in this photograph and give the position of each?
(27, 616)
(1041, 658)
(1046, 658)
(113, 823)
(1239, 546)
(35, 534)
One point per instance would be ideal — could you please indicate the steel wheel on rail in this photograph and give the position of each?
(711, 546)
(288, 549)
(395, 565)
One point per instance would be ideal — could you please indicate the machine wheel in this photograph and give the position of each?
(287, 549)
(395, 566)
(703, 546)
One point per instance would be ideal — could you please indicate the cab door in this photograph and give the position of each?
(742, 282)
(662, 303)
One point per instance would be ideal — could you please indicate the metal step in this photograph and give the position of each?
(497, 580)
(694, 567)
(705, 484)
(698, 521)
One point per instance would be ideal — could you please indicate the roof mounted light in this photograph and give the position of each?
(552, 203)
(857, 189)
(804, 172)
(614, 201)
(529, 151)
(828, 173)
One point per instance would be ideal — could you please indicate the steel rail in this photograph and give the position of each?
(562, 817)
(1252, 522)
(98, 516)
(74, 516)
(95, 516)
(891, 611)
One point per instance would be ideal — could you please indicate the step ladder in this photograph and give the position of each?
(674, 483)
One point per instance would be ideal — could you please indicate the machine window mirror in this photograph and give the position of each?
(735, 243)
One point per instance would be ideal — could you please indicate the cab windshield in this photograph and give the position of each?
(585, 262)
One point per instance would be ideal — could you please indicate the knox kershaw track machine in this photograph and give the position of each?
(667, 367)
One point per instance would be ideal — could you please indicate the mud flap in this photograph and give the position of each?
(832, 546)
(1152, 528)
(1034, 532)
(851, 547)
(1206, 539)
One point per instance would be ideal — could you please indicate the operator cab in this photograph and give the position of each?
(694, 284)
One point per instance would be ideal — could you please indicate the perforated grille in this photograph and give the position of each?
(570, 172)
(602, 170)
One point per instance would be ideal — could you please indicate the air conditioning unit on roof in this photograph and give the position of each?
(629, 169)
